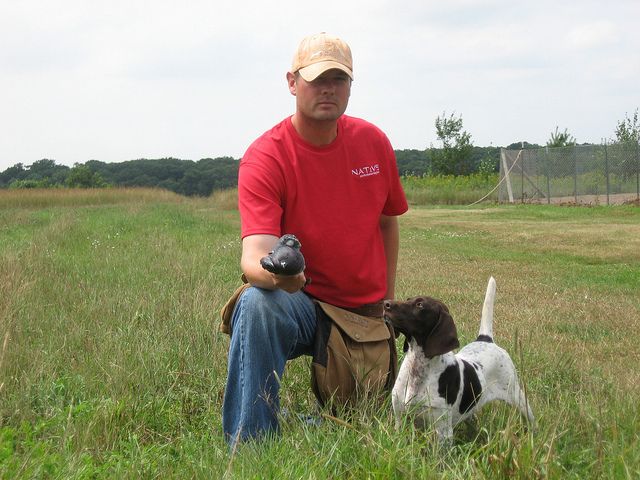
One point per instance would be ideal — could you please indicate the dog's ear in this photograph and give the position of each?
(443, 337)
(405, 346)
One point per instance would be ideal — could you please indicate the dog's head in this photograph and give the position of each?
(427, 320)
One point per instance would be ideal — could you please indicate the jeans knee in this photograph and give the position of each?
(261, 298)
(264, 310)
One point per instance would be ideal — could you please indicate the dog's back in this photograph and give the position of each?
(494, 363)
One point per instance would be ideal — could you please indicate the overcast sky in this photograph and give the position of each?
(118, 80)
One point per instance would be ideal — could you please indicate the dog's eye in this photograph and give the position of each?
(419, 305)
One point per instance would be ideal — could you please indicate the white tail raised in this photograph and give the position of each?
(486, 322)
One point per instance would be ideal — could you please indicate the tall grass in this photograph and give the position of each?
(449, 189)
(225, 199)
(111, 365)
(71, 197)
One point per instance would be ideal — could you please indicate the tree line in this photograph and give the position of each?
(196, 178)
(455, 155)
(185, 177)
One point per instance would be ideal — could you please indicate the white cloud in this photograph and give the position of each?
(593, 35)
(115, 80)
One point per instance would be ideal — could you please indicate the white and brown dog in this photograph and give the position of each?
(439, 387)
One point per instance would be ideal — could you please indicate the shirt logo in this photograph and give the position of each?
(366, 171)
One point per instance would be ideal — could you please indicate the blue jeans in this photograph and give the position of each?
(268, 328)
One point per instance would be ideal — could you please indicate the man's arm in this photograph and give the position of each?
(254, 247)
(391, 239)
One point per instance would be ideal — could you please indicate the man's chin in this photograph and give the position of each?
(327, 115)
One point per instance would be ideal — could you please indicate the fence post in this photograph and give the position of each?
(606, 168)
(547, 173)
(503, 158)
(575, 174)
(637, 171)
(522, 166)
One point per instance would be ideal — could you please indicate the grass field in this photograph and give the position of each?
(111, 365)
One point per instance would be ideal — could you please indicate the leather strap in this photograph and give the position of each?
(367, 310)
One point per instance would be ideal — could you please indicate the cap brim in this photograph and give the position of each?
(313, 71)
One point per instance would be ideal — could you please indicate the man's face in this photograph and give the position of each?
(325, 98)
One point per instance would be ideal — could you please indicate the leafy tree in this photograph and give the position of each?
(210, 174)
(412, 162)
(454, 158)
(47, 169)
(628, 130)
(42, 168)
(522, 145)
(11, 174)
(82, 176)
(485, 160)
(487, 166)
(30, 183)
(560, 139)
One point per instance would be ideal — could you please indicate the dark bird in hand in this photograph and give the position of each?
(285, 258)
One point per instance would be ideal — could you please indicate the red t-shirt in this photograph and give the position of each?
(331, 198)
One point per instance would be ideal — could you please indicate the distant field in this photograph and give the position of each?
(111, 365)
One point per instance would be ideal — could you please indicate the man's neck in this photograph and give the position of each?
(316, 132)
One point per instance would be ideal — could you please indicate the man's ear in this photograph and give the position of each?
(291, 81)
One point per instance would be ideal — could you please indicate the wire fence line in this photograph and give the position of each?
(582, 174)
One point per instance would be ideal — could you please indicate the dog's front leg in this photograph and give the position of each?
(398, 410)
(399, 396)
(442, 423)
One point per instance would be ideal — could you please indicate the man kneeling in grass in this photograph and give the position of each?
(331, 180)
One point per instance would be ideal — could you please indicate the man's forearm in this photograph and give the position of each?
(391, 240)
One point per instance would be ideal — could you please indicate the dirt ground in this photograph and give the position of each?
(614, 199)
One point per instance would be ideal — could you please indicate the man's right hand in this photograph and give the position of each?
(290, 283)
(254, 247)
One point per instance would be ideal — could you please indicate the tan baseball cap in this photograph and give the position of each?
(321, 52)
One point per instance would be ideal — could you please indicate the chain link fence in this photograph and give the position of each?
(581, 174)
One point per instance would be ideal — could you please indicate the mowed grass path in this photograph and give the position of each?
(111, 365)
